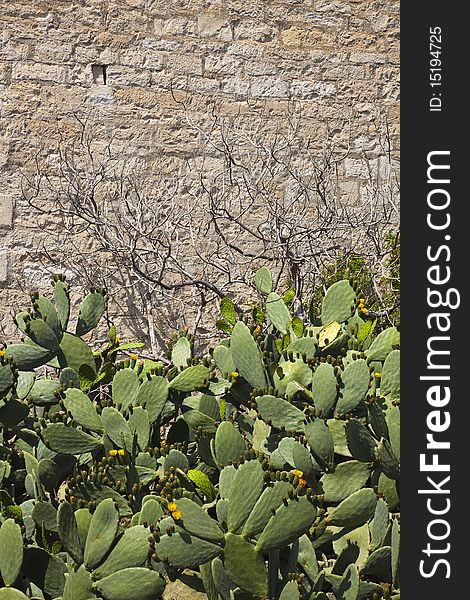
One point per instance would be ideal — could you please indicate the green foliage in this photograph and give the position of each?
(268, 468)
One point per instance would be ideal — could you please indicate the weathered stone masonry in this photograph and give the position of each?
(116, 60)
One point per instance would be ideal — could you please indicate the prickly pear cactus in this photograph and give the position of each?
(268, 468)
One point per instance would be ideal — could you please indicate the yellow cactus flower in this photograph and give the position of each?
(176, 514)
(172, 507)
(134, 356)
(121, 452)
(234, 374)
(2, 352)
(298, 473)
(302, 482)
(113, 452)
(377, 375)
(117, 339)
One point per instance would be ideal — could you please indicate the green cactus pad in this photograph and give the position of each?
(124, 584)
(338, 431)
(62, 302)
(307, 558)
(181, 352)
(395, 553)
(183, 550)
(12, 594)
(367, 589)
(28, 357)
(7, 377)
(379, 525)
(151, 511)
(42, 335)
(91, 310)
(247, 356)
(390, 380)
(392, 417)
(355, 379)
(277, 312)
(383, 344)
(296, 371)
(49, 314)
(192, 378)
(224, 359)
(101, 533)
(69, 378)
(388, 461)
(349, 586)
(68, 440)
(355, 510)
(45, 570)
(245, 490)
(177, 460)
(361, 444)
(264, 280)
(125, 388)
(201, 410)
(152, 395)
(229, 444)
(226, 477)
(342, 538)
(245, 565)
(303, 461)
(74, 353)
(280, 413)
(11, 551)
(305, 345)
(287, 524)
(379, 564)
(321, 443)
(68, 532)
(83, 518)
(83, 410)
(45, 515)
(324, 389)
(116, 427)
(197, 522)
(290, 591)
(78, 585)
(347, 556)
(202, 482)
(339, 303)
(270, 499)
(347, 478)
(24, 384)
(377, 420)
(139, 424)
(220, 580)
(130, 551)
(44, 391)
(388, 489)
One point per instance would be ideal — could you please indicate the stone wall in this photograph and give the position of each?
(124, 64)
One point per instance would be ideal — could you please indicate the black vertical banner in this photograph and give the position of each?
(435, 430)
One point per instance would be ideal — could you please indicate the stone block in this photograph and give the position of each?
(3, 266)
(269, 88)
(6, 211)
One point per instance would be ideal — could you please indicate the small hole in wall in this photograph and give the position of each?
(99, 74)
